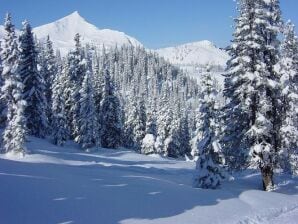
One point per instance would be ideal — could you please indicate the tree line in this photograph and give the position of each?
(118, 97)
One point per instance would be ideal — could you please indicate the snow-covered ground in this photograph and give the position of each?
(66, 185)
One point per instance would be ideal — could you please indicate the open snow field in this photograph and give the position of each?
(66, 185)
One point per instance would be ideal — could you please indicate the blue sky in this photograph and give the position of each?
(156, 23)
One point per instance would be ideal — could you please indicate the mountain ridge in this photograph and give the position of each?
(189, 56)
(200, 53)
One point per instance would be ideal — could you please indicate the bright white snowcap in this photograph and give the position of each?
(62, 33)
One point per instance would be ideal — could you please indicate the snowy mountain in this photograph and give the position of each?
(63, 31)
(198, 53)
(191, 56)
(195, 57)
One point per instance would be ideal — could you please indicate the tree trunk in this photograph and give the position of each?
(267, 175)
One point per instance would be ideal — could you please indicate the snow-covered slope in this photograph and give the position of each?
(66, 185)
(197, 53)
(196, 57)
(63, 31)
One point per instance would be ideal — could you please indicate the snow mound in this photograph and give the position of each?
(62, 33)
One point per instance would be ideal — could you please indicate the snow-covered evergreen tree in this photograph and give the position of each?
(288, 68)
(59, 124)
(87, 117)
(2, 101)
(15, 130)
(172, 144)
(76, 70)
(184, 135)
(140, 128)
(209, 172)
(34, 84)
(148, 142)
(251, 74)
(98, 93)
(130, 123)
(239, 83)
(49, 70)
(262, 149)
(135, 123)
(164, 120)
(111, 122)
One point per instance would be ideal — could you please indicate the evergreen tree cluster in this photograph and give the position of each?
(260, 115)
(119, 97)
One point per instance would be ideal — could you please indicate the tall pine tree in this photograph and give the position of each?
(288, 68)
(209, 172)
(252, 114)
(59, 124)
(111, 122)
(15, 130)
(87, 117)
(34, 84)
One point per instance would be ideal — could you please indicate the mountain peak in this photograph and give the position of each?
(73, 17)
(63, 31)
(75, 13)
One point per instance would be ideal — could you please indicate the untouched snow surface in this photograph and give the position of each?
(66, 185)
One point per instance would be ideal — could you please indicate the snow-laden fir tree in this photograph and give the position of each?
(130, 123)
(59, 124)
(148, 142)
(261, 133)
(164, 120)
(87, 118)
(15, 130)
(111, 122)
(48, 69)
(34, 84)
(174, 144)
(98, 84)
(251, 74)
(76, 72)
(2, 101)
(184, 135)
(140, 128)
(271, 29)
(239, 86)
(209, 172)
(288, 68)
(266, 93)
(135, 122)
